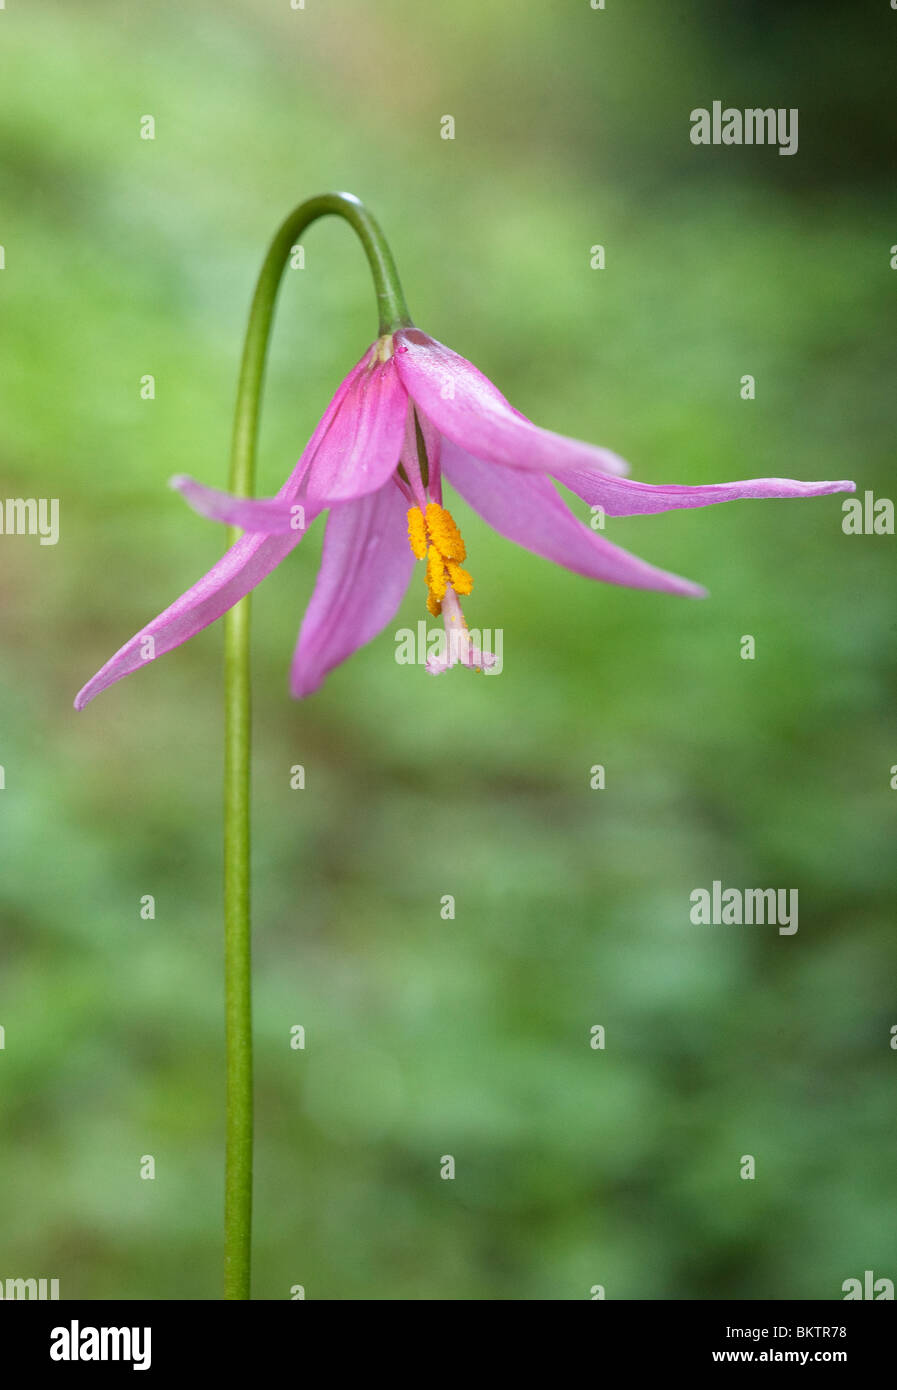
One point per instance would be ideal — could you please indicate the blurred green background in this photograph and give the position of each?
(468, 1037)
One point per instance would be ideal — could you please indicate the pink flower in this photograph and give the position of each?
(411, 412)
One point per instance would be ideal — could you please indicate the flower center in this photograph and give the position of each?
(434, 537)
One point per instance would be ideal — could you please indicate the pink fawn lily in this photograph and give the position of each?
(411, 412)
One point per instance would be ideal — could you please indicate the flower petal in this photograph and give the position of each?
(622, 497)
(238, 571)
(468, 409)
(360, 450)
(365, 569)
(353, 450)
(243, 566)
(265, 514)
(528, 509)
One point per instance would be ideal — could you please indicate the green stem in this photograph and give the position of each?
(237, 709)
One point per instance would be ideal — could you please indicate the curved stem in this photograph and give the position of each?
(237, 709)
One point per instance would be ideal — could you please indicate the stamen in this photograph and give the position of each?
(420, 444)
(460, 580)
(437, 539)
(444, 533)
(437, 580)
(417, 533)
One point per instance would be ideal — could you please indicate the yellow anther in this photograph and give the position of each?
(417, 532)
(437, 580)
(460, 580)
(437, 539)
(444, 533)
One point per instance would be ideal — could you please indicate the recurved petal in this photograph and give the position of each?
(354, 449)
(239, 570)
(623, 497)
(269, 515)
(528, 509)
(468, 409)
(244, 565)
(365, 569)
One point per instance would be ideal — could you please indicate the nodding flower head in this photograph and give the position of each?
(410, 414)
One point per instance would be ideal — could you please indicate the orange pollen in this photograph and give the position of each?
(444, 533)
(459, 579)
(417, 533)
(437, 579)
(436, 538)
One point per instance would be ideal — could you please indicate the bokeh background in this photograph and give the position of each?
(469, 1037)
